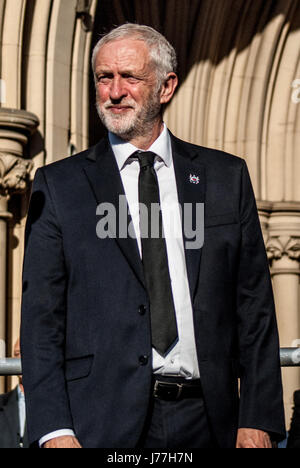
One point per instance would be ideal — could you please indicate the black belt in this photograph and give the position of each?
(173, 389)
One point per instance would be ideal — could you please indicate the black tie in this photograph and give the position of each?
(155, 259)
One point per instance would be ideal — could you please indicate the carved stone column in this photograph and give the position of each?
(264, 210)
(283, 249)
(15, 129)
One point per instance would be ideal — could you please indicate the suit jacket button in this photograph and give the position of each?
(143, 360)
(142, 310)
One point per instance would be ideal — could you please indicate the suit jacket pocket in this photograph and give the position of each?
(221, 220)
(78, 368)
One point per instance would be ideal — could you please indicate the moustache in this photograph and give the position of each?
(108, 105)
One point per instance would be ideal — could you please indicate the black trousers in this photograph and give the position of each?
(177, 424)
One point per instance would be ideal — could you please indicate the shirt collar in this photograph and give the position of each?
(123, 150)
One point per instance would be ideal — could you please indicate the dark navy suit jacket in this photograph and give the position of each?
(86, 348)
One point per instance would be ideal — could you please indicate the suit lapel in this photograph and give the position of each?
(190, 191)
(105, 180)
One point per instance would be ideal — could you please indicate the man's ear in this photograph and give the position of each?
(168, 88)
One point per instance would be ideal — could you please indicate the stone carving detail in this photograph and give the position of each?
(278, 246)
(14, 174)
(293, 248)
(274, 248)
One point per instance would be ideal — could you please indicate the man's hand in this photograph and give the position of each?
(253, 438)
(65, 442)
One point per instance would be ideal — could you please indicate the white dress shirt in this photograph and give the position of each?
(182, 359)
(22, 411)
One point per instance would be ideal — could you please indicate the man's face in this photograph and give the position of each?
(128, 100)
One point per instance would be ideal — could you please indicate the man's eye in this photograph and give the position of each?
(103, 79)
(131, 78)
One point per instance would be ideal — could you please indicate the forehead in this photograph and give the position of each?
(123, 53)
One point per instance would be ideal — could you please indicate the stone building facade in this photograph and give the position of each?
(239, 92)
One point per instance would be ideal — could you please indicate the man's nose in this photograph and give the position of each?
(117, 89)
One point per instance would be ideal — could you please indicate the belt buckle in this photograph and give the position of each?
(170, 385)
(156, 389)
(180, 388)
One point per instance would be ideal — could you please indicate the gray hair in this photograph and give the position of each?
(161, 51)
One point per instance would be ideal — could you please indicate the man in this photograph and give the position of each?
(13, 432)
(139, 341)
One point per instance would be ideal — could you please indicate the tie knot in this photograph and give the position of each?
(146, 158)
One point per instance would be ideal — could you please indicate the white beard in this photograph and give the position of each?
(136, 122)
